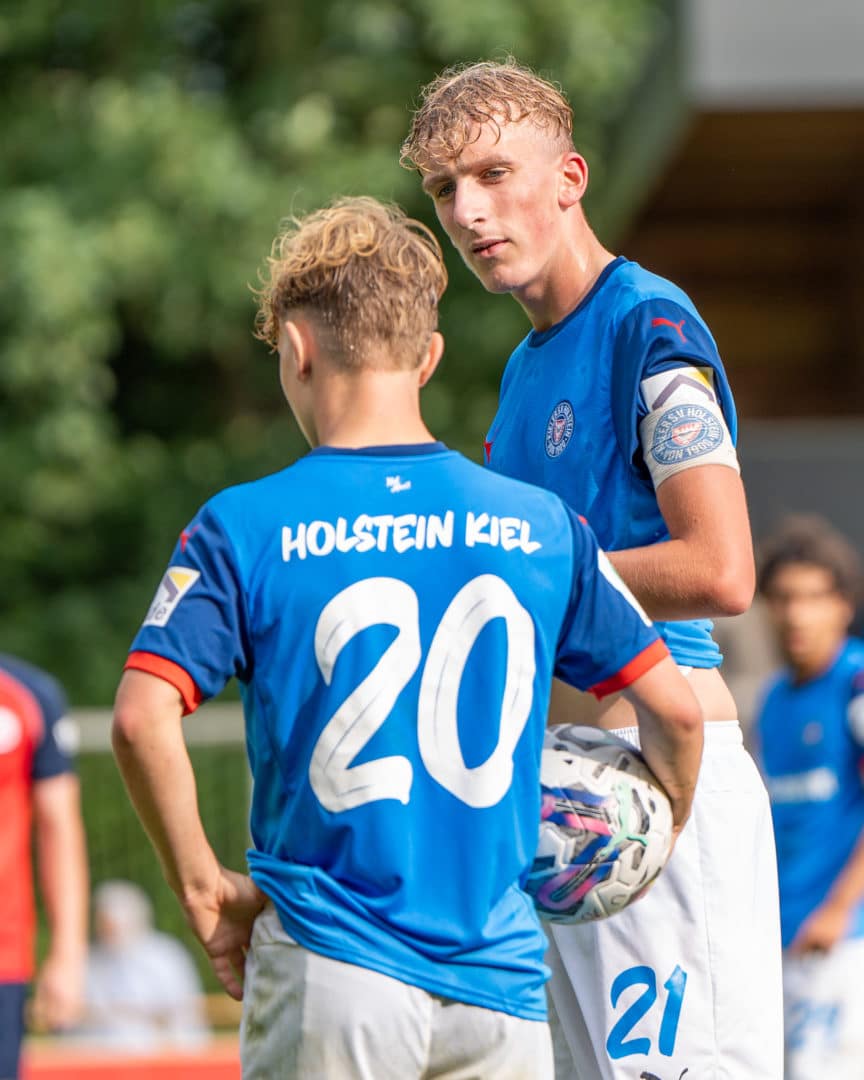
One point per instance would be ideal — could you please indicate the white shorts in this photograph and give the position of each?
(687, 981)
(314, 1018)
(824, 1008)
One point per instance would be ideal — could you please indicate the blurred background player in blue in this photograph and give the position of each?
(617, 401)
(143, 990)
(39, 800)
(394, 615)
(810, 738)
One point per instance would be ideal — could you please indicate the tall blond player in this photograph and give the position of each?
(617, 401)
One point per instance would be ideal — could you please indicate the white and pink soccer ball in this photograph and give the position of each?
(605, 828)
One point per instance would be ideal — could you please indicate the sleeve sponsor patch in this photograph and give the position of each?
(178, 580)
(684, 425)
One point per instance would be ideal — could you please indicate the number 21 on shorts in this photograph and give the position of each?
(618, 1045)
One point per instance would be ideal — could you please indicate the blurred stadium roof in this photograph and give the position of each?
(782, 53)
(739, 173)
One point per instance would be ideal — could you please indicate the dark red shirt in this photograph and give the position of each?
(31, 749)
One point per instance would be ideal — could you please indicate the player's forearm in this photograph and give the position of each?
(148, 744)
(670, 732)
(678, 579)
(61, 858)
(706, 569)
(674, 759)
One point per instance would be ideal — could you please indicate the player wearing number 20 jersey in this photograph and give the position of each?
(394, 617)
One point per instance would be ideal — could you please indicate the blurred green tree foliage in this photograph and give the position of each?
(149, 153)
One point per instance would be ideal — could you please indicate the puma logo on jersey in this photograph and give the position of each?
(187, 535)
(396, 484)
(676, 326)
(652, 1076)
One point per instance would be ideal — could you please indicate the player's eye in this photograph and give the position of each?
(494, 174)
(445, 189)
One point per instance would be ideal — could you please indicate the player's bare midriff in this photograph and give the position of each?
(569, 706)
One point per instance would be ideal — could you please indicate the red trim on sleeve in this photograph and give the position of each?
(631, 671)
(172, 673)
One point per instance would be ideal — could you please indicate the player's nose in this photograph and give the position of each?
(468, 206)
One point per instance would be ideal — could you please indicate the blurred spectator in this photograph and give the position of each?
(810, 737)
(38, 789)
(143, 989)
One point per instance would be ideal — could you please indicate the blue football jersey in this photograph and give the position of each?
(394, 617)
(811, 750)
(570, 407)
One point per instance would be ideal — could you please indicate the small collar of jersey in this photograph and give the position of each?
(539, 337)
(395, 450)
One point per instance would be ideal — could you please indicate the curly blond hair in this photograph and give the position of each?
(462, 98)
(369, 276)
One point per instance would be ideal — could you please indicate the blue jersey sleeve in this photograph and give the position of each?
(196, 633)
(656, 335)
(54, 752)
(606, 641)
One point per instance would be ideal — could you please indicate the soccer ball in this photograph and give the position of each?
(605, 826)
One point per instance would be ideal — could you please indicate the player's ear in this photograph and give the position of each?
(573, 179)
(301, 344)
(434, 352)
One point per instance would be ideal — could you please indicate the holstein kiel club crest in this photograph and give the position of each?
(559, 429)
(685, 432)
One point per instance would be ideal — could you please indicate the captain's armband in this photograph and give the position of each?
(684, 425)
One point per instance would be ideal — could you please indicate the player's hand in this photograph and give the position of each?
(222, 922)
(58, 998)
(825, 927)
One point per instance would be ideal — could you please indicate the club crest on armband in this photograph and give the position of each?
(559, 429)
(685, 432)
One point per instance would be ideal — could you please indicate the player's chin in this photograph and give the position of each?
(495, 279)
(797, 648)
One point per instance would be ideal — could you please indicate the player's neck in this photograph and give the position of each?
(566, 280)
(374, 408)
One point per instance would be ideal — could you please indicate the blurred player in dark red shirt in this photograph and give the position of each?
(38, 792)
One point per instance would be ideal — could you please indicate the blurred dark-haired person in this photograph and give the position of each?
(810, 739)
(39, 800)
(394, 614)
